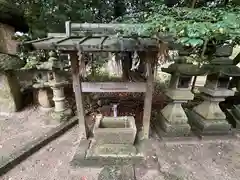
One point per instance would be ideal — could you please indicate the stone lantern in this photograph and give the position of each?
(57, 83)
(173, 120)
(207, 118)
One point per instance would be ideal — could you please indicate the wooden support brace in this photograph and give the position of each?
(113, 87)
(148, 99)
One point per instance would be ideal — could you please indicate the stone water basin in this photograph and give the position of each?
(115, 130)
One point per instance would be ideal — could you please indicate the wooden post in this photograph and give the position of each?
(148, 98)
(68, 28)
(78, 92)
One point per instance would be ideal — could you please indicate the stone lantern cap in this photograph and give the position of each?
(12, 16)
(223, 67)
(182, 68)
(10, 62)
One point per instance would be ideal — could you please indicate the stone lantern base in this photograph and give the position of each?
(166, 129)
(172, 121)
(208, 119)
(202, 126)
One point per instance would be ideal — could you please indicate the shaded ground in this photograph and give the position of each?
(170, 161)
(20, 128)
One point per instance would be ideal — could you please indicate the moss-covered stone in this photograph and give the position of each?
(10, 62)
(10, 95)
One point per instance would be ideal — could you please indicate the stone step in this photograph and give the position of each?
(90, 154)
(114, 154)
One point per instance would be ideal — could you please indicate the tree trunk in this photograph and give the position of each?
(119, 8)
(126, 59)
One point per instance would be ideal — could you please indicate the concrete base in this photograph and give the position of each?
(61, 116)
(166, 129)
(203, 127)
(93, 155)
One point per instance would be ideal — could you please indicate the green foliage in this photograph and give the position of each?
(44, 16)
(190, 27)
(11, 15)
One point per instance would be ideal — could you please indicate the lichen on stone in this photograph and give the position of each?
(10, 62)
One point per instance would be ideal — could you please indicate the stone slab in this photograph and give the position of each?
(204, 127)
(165, 129)
(95, 155)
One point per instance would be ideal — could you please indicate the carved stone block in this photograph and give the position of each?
(119, 130)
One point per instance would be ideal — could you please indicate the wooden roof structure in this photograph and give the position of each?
(96, 37)
(81, 38)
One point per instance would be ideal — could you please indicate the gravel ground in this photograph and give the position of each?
(165, 161)
(18, 129)
(195, 160)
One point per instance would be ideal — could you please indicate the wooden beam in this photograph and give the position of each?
(60, 35)
(102, 28)
(68, 28)
(78, 93)
(113, 87)
(148, 99)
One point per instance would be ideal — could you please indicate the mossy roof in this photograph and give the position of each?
(13, 16)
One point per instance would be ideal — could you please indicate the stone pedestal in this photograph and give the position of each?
(58, 98)
(60, 112)
(44, 99)
(172, 120)
(43, 95)
(207, 118)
